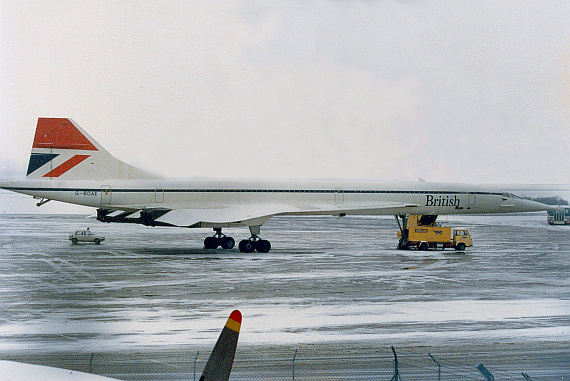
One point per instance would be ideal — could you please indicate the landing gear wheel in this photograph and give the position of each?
(251, 245)
(227, 243)
(262, 246)
(219, 239)
(254, 242)
(211, 243)
(246, 246)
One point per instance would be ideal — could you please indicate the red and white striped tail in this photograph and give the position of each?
(62, 150)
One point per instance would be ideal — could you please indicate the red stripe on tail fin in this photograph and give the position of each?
(62, 168)
(60, 133)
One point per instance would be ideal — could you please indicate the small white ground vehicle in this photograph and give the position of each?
(85, 236)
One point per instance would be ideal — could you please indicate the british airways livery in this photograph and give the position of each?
(68, 165)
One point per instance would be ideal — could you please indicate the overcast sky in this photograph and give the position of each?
(456, 91)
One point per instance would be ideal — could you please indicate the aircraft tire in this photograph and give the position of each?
(263, 246)
(211, 243)
(227, 243)
(246, 246)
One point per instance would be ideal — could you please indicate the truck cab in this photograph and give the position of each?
(559, 216)
(461, 239)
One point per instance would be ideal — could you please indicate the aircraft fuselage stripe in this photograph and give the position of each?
(250, 191)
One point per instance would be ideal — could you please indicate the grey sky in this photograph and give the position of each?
(447, 91)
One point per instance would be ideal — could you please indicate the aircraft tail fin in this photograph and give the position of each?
(63, 150)
(220, 363)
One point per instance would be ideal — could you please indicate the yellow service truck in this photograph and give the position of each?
(422, 235)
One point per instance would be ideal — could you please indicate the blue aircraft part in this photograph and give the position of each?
(39, 159)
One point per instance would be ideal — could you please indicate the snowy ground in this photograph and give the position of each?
(327, 282)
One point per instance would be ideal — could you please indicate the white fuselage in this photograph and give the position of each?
(348, 197)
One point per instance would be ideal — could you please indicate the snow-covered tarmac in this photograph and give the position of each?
(327, 282)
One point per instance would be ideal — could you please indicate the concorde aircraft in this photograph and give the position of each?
(218, 367)
(68, 165)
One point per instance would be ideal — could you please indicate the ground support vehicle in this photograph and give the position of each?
(422, 233)
(559, 216)
(85, 236)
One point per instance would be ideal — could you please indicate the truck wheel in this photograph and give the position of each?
(460, 246)
(424, 246)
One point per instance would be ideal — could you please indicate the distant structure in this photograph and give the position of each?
(553, 200)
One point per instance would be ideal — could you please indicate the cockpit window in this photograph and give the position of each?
(510, 195)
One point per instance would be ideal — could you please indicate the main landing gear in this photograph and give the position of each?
(219, 239)
(254, 243)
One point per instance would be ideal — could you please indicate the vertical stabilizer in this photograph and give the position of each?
(220, 363)
(62, 150)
